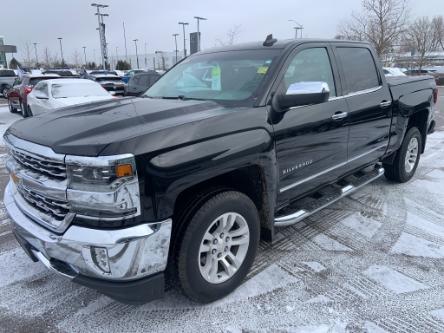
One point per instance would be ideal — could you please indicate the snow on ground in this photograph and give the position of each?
(372, 262)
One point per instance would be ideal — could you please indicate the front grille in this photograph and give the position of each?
(45, 166)
(55, 208)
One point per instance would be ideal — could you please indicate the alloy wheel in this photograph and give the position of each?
(411, 155)
(223, 248)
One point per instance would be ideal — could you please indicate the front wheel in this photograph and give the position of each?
(5, 91)
(407, 158)
(218, 247)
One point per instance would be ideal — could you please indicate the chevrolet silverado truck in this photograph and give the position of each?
(228, 146)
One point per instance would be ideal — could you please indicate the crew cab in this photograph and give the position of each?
(184, 181)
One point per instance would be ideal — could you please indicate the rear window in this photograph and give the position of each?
(34, 80)
(359, 68)
(6, 73)
(75, 89)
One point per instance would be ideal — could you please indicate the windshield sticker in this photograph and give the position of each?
(262, 70)
(215, 78)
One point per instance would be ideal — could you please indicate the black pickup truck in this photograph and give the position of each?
(227, 146)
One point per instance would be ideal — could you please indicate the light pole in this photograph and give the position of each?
(184, 38)
(162, 57)
(146, 60)
(36, 57)
(117, 56)
(296, 28)
(84, 53)
(198, 19)
(61, 51)
(137, 56)
(175, 43)
(124, 38)
(101, 32)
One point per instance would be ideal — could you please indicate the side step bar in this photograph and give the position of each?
(328, 195)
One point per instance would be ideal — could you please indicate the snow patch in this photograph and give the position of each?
(314, 266)
(393, 280)
(363, 226)
(329, 244)
(15, 266)
(320, 299)
(417, 247)
(439, 313)
(373, 328)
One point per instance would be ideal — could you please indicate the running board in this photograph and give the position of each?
(326, 196)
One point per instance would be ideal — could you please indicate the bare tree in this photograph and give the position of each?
(76, 58)
(381, 22)
(421, 36)
(438, 29)
(231, 36)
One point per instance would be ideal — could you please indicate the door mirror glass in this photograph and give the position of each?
(303, 93)
(40, 95)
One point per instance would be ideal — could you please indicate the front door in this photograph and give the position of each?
(311, 141)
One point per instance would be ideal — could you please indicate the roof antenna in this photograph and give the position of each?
(269, 41)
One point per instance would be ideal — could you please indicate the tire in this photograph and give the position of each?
(192, 258)
(24, 109)
(401, 171)
(5, 91)
(11, 108)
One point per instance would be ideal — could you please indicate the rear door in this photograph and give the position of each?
(369, 103)
(311, 143)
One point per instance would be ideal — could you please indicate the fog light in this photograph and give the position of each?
(99, 256)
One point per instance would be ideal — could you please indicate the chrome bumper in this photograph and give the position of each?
(131, 253)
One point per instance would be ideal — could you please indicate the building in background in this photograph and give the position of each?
(4, 49)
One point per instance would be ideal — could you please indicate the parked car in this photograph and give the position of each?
(112, 83)
(439, 77)
(18, 96)
(189, 178)
(140, 82)
(7, 78)
(51, 95)
(393, 71)
(130, 74)
(62, 72)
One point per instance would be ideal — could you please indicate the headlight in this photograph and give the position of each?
(104, 187)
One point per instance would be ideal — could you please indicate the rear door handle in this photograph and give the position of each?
(339, 115)
(385, 104)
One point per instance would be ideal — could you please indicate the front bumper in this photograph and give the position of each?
(131, 255)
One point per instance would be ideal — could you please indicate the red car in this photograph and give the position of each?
(17, 96)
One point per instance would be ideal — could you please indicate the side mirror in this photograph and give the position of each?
(40, 95)
(302, 93)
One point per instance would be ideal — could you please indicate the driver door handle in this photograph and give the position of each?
(339, 115)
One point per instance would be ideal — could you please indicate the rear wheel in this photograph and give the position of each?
(218, 246)
(12, 109)
(24, 109)
(407, 158)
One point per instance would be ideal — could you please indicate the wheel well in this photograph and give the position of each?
(249, 180)
(419, 120)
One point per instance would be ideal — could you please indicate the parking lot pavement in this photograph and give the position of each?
(372, 262)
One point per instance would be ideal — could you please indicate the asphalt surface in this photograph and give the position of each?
(373, 262)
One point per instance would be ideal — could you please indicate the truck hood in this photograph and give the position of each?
(126, 125)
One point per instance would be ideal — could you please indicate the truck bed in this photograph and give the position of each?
(403, 85)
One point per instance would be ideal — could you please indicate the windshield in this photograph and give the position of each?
(66, 90)
(222, 76)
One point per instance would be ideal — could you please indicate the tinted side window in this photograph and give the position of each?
(310, 65)
(359, 68)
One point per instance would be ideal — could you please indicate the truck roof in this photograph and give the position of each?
(279, 44)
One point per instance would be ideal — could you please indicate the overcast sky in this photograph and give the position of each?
(154, 22)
